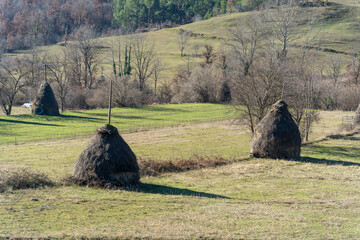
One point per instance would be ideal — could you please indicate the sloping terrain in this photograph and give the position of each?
(338, 26)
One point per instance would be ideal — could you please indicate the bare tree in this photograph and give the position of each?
(257, 90)
(86, 54)
(304, 86)
(13, 79)
(333, 68)
(183, 38)
(2, 46)
(58, 67)
(121, 49)
(353, 70)
(284, 22)
(254, 74)
(245, 40)
(209, 55)
(36, 62)
(158, 68)
(144, 60)
(196, 48)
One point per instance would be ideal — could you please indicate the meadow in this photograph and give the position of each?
(29, 128)
(314, 197)
(311, 198)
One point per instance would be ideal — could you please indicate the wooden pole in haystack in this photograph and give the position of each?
(45, 73)
(110, 102)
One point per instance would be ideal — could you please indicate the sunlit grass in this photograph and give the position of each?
(72, 124)
(252, 199)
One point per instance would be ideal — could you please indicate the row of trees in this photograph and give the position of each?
(25, 23)
(137, 13)
(77, 73)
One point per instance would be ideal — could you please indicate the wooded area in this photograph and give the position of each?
(27, 23)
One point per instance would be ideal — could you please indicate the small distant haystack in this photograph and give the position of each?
(107, 159)
(276, 135)
(356, 120)
(45, 103)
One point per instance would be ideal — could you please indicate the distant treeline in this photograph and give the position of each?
(26, 23)
(137, 13)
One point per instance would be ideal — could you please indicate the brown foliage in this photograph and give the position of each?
(22, 179)
(150, 167)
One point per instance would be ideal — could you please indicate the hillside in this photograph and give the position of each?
(338, 27)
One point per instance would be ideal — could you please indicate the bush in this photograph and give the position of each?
(200, 86)
(150, 167)
(22, 179)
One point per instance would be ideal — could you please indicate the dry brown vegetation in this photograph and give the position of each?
(152, 167)
(22, 179)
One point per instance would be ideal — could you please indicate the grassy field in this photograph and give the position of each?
(163, 132)
(316, 197)
(74, 124)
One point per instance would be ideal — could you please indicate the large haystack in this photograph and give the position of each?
(45, 103)
(107, 159)
(356, 120)
(276, 135)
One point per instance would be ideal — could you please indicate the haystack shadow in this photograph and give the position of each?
(30, 123)
(324, 161)
(165, 190)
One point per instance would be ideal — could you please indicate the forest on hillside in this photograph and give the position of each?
(27, 23)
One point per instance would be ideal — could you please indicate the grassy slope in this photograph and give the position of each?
(339, 26)
(253, 199)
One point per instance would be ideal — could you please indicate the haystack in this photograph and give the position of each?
(356, 120)
(276, 135)
(45, 103)
(107, 159)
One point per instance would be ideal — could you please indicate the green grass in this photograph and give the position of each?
(253, 199)
(175, 134)
(314, 198)
(72, 124)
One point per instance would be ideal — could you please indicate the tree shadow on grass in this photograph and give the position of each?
(160, 109)
(117, 115)
(165, 190)
(338, 151)
(30, 123)
(325, 161)
(80, 118)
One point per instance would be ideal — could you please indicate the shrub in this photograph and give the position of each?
(150, 167)
(22, 179)
(200, 86)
